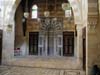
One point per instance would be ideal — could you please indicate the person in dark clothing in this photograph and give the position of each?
(96, 70)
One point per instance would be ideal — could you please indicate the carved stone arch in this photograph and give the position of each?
(10, 7)
(75, 7)
(76, 10)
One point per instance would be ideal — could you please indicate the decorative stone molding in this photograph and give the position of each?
(92, 22)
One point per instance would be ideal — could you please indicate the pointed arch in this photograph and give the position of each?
(76, 10)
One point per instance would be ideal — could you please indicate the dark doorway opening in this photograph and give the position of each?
(0, 46)
(84, 48)
(33, 43)
(68, 43)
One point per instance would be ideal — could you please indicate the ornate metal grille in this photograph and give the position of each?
(50, 29)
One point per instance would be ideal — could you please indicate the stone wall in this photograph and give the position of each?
(94, 47)
(20, 41)
(18, 27)
(93, 35)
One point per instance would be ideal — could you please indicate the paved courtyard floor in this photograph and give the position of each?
(13, 70)
(19, 70)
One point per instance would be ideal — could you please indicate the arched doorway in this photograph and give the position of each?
(75, 7)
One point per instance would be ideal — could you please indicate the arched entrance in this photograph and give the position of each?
(77, 17)
(75, 7)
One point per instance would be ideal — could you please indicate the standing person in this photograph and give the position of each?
(95, 70)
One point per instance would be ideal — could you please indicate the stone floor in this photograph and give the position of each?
(28, 71)
(32, 65)
(17, 70)
(47, 62)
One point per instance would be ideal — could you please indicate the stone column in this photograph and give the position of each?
(8, 31)
(79, 43)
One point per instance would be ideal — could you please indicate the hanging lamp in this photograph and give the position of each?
(26, 13)
(46, 12)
